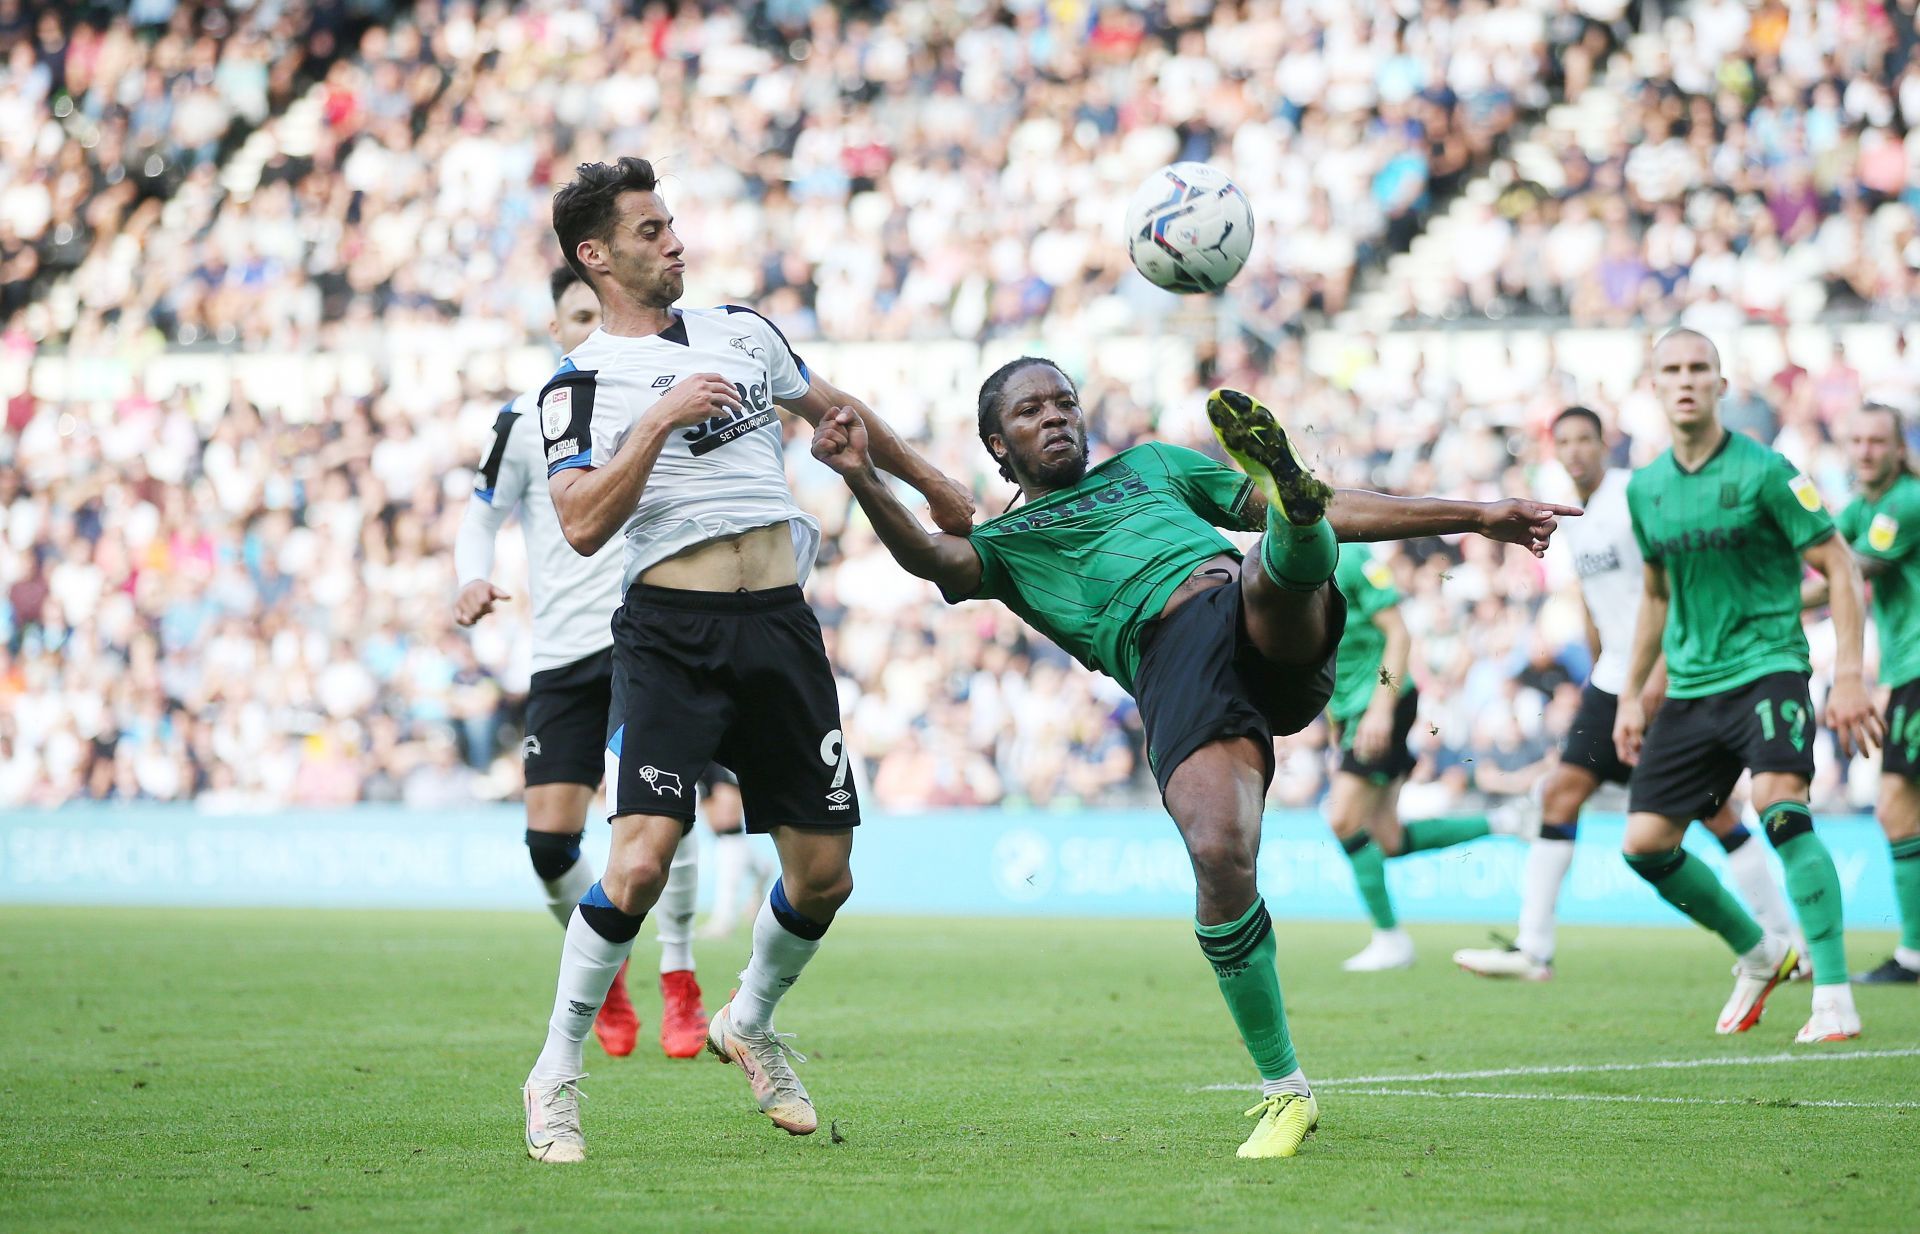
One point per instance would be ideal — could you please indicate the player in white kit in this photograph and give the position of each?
(1607, 558)
(570, 700)
(662, 430)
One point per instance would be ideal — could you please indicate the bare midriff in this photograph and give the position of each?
(756, 560)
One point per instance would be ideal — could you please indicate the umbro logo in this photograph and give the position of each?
(839, 798)
(661, 383)
(580, 1008)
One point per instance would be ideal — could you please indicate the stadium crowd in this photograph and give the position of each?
(1765, 164)
(205, 598)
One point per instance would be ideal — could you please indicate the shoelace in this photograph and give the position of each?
(773, 1052)
(1274, 1104)
(563, 1117)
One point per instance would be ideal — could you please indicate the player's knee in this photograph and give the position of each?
(553, 853)
(634, 879)
(1222, 855)
(820, 894)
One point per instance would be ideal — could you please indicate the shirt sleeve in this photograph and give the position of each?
(1649, 547)
(568, 431)
(1893, 533)
(993, 575)
(1217, 493)
(1792, 501)
(787, 374)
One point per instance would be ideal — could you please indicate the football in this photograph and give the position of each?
(1189, 228)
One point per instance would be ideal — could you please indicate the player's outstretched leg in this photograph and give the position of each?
(816, 879)
(1299, 551)
(1899, 811)
(599, 937)
(1654, 854)
(1215, 797)
(683, 1022)
(1814, 885)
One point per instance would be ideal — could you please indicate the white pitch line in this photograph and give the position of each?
(1637, 1099)
(1662, 1064)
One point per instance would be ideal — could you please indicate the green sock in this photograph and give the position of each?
(1906, 889)
(1370, 876)
(1690, 886)
(1814, 886)
(1242, 954)
(1298, 558)
(1431, 833)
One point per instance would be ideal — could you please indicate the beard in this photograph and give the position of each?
(1063, 472)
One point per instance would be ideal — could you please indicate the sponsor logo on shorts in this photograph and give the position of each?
(839, 798)
(662, 782)
(833, 752)
(530, 748)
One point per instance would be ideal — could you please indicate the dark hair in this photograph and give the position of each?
(583, 209)
(562, 278)
(991, 390)
(1580, 413)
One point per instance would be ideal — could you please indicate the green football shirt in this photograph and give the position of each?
(1090, 565)
(1730, 535)
(1367, 583)
(1889, 530)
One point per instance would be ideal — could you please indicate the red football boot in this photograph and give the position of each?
(617, 1026)
(683, 1021)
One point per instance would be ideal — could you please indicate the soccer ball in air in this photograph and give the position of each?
(1189, 228)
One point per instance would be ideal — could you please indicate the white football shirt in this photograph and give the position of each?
(723, 477)
(574, 597)
(1607, 558)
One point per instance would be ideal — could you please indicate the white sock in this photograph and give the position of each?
(565, 892)
(778, 956)
(1836, 997)
(673, 913)
(1907, 958)
(1546, 869)
(1293, 1082)
(588, 963)
(1748, 865)
(732, 854)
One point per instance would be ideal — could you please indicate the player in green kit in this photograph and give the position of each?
(1723, 525)
(1121, 565)
(1374, 706)
(1883, 527)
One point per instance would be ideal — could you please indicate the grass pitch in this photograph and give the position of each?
(171, 1070)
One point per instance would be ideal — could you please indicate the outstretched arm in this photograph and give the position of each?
(948, 501)
(1360, 514)
(840, 441)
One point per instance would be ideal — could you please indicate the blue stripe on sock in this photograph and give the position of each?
(1557, 831)
(791, 921)
(1735, 838)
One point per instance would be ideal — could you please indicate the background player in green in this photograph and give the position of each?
(1723, 525)
(1883, 527)
(1121, 566)
(1374, 706)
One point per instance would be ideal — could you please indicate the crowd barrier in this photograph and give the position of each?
(956, 863)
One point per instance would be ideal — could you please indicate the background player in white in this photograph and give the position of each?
(741, 871)
(661, 428)
(570, 696)
(1607, 559)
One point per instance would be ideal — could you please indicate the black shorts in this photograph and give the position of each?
(1902, 754)
(1398, 761)
(567, 722)
(1201, 680)
(739, 678)
(1589, 742)
(1696, 748)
